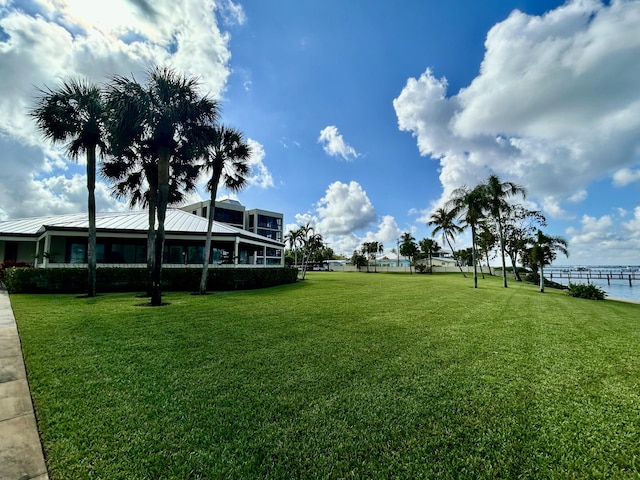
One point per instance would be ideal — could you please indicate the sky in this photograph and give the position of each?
(362, 116)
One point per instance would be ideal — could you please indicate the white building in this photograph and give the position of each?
(61, 240)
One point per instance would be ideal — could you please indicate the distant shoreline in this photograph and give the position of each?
(625, 300)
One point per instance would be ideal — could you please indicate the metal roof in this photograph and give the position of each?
(176, 222)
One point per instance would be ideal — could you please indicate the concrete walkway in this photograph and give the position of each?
(21, 456)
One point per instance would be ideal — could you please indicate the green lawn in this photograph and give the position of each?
(345, 375)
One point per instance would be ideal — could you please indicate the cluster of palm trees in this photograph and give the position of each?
(304, 241)
(156, 139)
(486, 210)
(370, 250)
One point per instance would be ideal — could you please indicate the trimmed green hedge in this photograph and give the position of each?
(116, 279)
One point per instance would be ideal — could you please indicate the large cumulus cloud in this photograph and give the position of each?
(556, 105)
(48, 40)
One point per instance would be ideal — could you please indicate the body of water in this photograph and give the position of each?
(616, 288)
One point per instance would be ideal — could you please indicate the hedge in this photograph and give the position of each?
(117, 279)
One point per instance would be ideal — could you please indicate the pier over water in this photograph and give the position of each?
(588, 275)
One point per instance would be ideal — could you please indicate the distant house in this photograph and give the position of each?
(61, 240)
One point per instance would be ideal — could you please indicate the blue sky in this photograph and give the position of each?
(363, 116)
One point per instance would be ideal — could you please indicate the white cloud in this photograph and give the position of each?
(62, 39)
(343, 214)
(625, 176)
(578, 197)
(605, 239)
(388, 233)
(556, 105)
(232, 13)
(633, 227)
(344, 208)
(333, 144)
(260, 175)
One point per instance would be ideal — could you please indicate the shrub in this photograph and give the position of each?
(4, 267)
(588, 291)
(115, 279)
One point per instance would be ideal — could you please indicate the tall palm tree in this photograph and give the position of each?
(445, 221)
(135, 177)
(544, 249)
(75, 114)
(227, 160)
(311, 242)
(497, 193)
(294, 237)
(168, 118)
(470, 204)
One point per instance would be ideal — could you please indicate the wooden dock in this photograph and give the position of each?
(589, 275)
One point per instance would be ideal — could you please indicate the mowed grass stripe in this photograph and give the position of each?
(345, 375)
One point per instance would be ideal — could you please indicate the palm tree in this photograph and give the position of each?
(311, 242)
(470, 204)
(497, 193)
(168, 119)
(544, 249)
(294, 237)
(136, 178)
(74, 114)
(429, 246)
(227, 160)
(408, 248)
(370, 250)
(445, 222)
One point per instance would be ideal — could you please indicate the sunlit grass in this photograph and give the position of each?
(345, 375)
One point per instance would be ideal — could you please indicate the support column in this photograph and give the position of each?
(47, 249)
(235, 251)
(264, 256)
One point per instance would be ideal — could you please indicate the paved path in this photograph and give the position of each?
(21, 456)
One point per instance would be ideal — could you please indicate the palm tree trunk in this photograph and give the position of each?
(454, 257)
(504, 263)
(541, 278)
(207, 242)
(151, 237)
(164, 155)
(473, 256)
(91, 246)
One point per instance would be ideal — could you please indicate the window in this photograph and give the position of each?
(265, 221)
(175, 254)
(77, 253)
(204, 212)
(10, 251)
(196, 254)
(224, 215)
(272, 234)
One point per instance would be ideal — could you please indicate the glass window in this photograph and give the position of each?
(100, 258)
(176, 254)
(77, 253)
(228, 216)
(195, 254)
